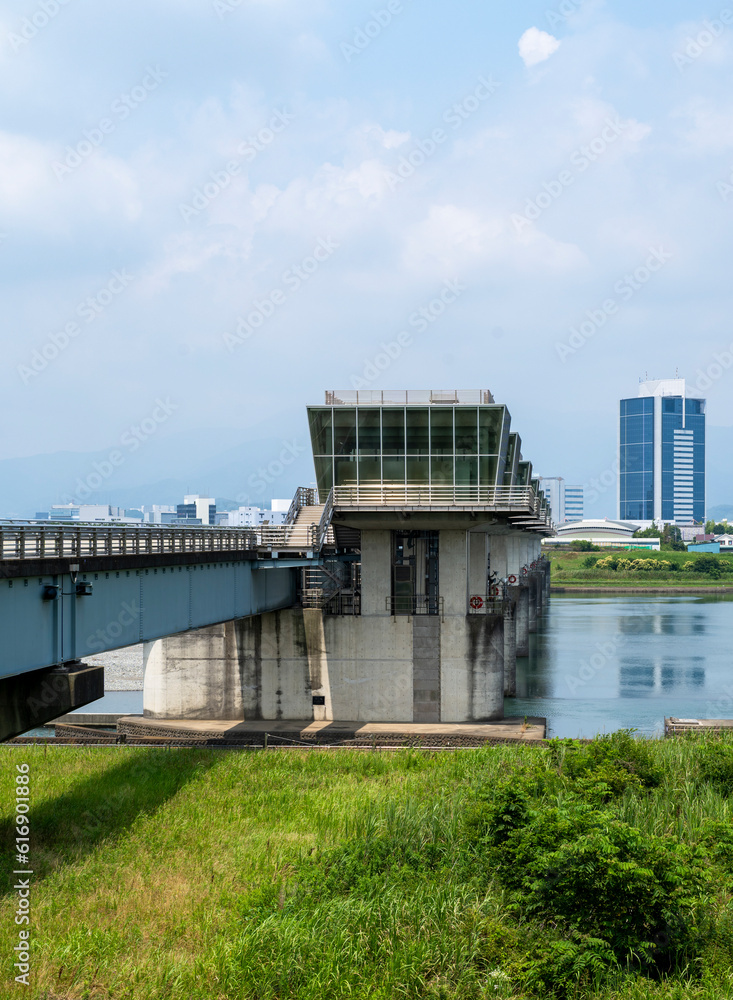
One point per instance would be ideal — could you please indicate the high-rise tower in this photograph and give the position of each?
(662, 453)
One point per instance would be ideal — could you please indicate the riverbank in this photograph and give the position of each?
(164, 874)
(634, 587)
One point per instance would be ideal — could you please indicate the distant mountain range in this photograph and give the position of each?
(243, 468)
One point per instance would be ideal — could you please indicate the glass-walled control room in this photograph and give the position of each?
(415, 445)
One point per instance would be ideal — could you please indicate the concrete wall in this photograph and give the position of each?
(372, 667)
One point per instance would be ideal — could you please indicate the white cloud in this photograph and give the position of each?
(535, 46)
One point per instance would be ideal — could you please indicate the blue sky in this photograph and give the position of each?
(183, 162)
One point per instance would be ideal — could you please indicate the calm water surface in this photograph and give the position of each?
(604, 663)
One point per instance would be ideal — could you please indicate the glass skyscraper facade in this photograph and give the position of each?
(662, 454)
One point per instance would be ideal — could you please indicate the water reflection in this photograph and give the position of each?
(602, 663)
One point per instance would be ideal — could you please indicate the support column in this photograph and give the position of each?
(510, 651)
(486, 661)
(376, 571)
(498, 555)
(478, 562)
(532, 596)
(521, 621)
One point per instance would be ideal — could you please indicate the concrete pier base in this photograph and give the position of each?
(521, 621)
(300, 663)
(532, 602)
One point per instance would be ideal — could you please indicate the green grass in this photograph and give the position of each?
(572, 569)
(208, 874)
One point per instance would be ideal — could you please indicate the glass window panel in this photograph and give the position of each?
(344, 430)
(324, 475)
(441, 471)
(466, 471)
(466, 430)
(418, 470)
(393, 469)
(370, 470)
(489, 429)
(345, 472)
(393, 431)
(441, 431)
(369, 432)
(320, 425)
(487, 469)
(417, 430)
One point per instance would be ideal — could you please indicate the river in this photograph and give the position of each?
(600, 663)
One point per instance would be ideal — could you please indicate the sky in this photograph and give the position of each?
(211, 211)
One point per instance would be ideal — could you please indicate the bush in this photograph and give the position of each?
(625, 896)
(708, 564)
(609, 562)
(643, 565)
(580, 545)
(716, 765)
(590, 561)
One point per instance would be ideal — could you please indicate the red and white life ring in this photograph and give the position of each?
(494, 591)
(512, 579)
(476, 602)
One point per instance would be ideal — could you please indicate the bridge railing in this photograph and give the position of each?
(33, 541)
(509, 498)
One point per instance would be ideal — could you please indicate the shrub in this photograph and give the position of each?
(624, 565)
(590, 561)
(609, 562)
(716, 764)
(708, 564)
(643, 565)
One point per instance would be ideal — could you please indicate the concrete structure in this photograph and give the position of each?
(566, 502)
(428, 587)
(401, 592)
(194, 507)
(662, 453)
(604, 533)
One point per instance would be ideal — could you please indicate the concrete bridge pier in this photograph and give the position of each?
(532, 601)
(521, 620)
(510, 651)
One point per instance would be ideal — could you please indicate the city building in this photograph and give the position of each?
(201, 510)
(662, 453)
(252, 517)
(574, 503)
(604, 533)
(566, 502)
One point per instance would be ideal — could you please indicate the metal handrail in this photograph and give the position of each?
(34, 541)
(406, 397)
(415, 604)
(486, 604)
(512, 498)
(305, 496)
(325, 522)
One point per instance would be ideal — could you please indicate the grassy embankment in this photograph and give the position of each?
(648, 570)
(508, 872)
